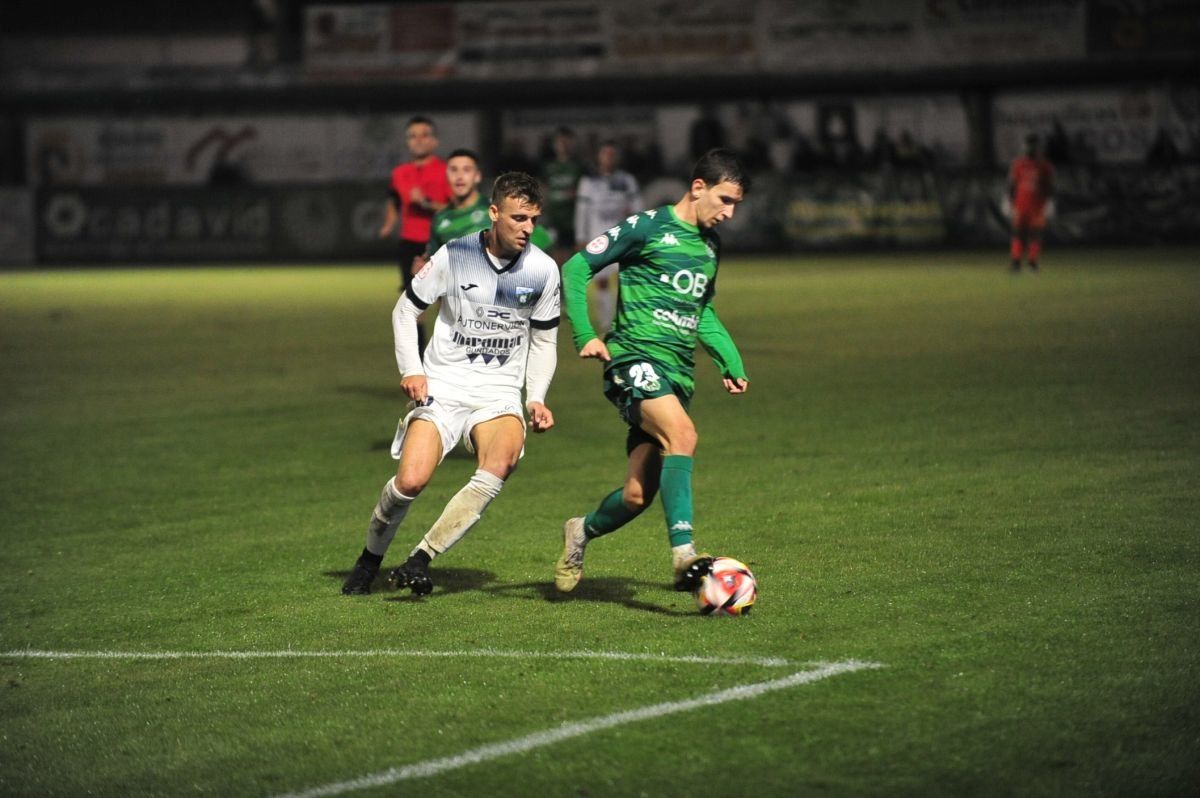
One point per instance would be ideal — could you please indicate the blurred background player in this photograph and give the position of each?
(602, 202)
(1030, 189)
(668, 258)
(561, 175)
(496, 330)
(418, 190)
(468, 209)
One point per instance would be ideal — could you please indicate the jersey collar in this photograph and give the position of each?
(675, 216)
(489, 256)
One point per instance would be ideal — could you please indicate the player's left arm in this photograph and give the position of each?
(719, 344)
(543, 353)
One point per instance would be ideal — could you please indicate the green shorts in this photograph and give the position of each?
(630, 381)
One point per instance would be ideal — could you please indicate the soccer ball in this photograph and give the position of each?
(729, 589)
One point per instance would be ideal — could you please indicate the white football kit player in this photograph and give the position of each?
(496, 329)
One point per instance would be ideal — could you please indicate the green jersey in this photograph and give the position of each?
(562, 182)
(668, 279)
(450, 223)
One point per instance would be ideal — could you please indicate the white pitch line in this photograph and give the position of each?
(432, 767)
(767, 662)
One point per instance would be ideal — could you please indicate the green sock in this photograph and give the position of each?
(676, 488)
(611, 515)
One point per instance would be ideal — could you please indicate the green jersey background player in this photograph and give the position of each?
(668, 261)
(467, 212)
(561, 176)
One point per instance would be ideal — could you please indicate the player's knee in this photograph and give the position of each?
(410, 485)
(636, 497)
(683, 441)
(501, 465)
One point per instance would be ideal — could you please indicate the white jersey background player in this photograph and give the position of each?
(602, 201)
(496, 330)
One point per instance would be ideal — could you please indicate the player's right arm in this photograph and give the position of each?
(426, 287)
(618, 243)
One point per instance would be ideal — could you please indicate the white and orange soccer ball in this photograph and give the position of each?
(729, 589)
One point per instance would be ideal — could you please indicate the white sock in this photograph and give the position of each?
(461, 513)
(680, 554)
(388, 514)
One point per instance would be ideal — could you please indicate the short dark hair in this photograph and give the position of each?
(517, 185)
(463, 152)
(563, 130)
(720, 165)
(420, 120)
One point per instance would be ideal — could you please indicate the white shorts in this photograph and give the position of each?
(455, 418)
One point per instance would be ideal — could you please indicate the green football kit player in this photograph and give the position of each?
(668, 260)
(467, 212)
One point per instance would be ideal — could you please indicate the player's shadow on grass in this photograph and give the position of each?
(445, 580)
(607, 590)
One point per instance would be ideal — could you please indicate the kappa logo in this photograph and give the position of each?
(633, 220)
(443, 224)
(681, 525)
(652, 213)
(711, 252)
(615, 233)
(669, 240)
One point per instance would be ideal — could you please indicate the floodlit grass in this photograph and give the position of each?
(987, 483)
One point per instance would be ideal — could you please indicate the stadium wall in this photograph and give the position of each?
(786, 212)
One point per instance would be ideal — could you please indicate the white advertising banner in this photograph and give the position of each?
(227, 150)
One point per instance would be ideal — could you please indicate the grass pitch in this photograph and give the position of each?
(987, 483)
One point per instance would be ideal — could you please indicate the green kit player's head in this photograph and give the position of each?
(719, 183)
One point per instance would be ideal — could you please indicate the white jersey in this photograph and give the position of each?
(603, 202)
(480, 341)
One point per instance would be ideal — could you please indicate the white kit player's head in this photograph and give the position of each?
(516, 206)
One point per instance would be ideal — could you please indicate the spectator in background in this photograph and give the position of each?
(1031, 187)
(909, 154)
(418, 190)
(883, 150)
(706, 133)
(561, 176)
(1058, 145)
(1163, 151)
(804, 155)
(602, 202)
(514, 158)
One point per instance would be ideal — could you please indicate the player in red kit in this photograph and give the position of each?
(418, 190)
(1030, 188)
